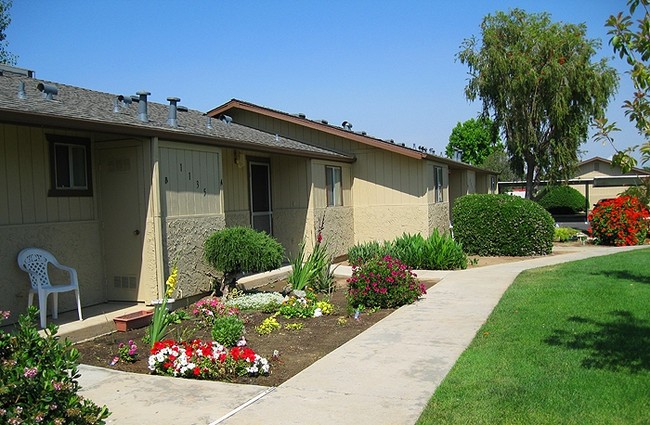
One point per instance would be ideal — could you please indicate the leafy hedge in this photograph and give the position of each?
(561, 200)
(502, 225)
(437, 252)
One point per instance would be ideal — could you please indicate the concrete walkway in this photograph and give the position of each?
(386, 375)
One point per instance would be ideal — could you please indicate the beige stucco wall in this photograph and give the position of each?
(389, 221)
(183, 245)
(75, 244)
(338, 229)
(439, 217)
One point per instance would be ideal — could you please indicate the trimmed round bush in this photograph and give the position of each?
(235, 250)
(490, 225)
(561, 200)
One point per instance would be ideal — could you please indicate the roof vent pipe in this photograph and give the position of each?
(171, 116)
(142, 106)
(209, 121)
(48, 90)
(127, 100)
(21, 90)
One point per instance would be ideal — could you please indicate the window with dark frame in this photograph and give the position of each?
(333, 186)
(437, 183)
(70, 170)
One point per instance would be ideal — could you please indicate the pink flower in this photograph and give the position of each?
(30, 373)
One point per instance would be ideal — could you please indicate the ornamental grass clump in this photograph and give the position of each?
(39, 377)
(621, 221)
(316, 270)
(383, 283)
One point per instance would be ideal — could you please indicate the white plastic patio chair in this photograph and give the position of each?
(35, 262)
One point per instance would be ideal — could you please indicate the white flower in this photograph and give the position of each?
(318, 312)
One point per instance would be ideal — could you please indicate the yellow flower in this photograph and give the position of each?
(171, 282)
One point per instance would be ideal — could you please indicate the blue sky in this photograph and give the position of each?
(388, 67)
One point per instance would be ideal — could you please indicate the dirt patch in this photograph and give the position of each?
(297, 348)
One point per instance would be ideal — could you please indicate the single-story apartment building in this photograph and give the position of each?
(606, 179)
(121, 188)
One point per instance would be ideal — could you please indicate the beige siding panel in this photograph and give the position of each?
(13, 175)
(26, 177)
(40, 169)
(235, 182)
(4, 184)
(191, 181)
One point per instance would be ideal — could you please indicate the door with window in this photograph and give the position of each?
(260, 196)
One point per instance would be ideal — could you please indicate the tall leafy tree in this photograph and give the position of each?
(630, 39)
(476, 139)
(498, 162)
(536, 79)
(5, 20)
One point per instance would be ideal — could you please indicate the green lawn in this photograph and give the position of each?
(567, 344)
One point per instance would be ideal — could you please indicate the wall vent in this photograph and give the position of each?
(125, 282)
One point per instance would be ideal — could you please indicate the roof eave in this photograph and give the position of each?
(55, 121)
(305, 122)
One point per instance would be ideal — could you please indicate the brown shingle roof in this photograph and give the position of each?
(83, 109)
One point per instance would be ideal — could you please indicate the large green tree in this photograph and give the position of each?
(5, 20)
(630, 39)
(536, 79)
(498, 162)
(476, 139)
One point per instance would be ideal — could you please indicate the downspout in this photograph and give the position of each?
(157, 216)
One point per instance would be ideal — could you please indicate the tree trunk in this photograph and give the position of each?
(530, 177)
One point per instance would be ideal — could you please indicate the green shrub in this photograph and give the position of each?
(227, 330)
(502, 225)
(564, 234)
(361, 253)
(236, 250)
(641, 191)
(38, 378)
(561, 200)
(437, 252)
(384, 283)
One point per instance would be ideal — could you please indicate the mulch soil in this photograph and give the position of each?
(297, 348)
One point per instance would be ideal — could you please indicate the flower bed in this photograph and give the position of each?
(205, 360)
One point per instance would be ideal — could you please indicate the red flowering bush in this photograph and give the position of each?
(620, 221)
(204, 360)
(383, 282)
